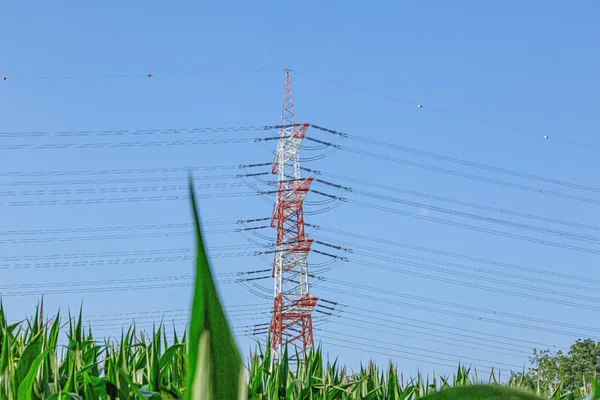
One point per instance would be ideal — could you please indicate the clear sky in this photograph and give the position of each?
(528, 65)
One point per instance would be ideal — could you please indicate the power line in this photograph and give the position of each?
(441, 111)
(373, 254)
(118, 171)
(477, 228)
(140, 321)
(494, 263)
(120, 228)
(112, 316)
(76, 256)
(471, 176)
(106, 237)
(372, 290)
(450, 313)
(160, 284)
(421, 326)
(397, 345)
(104, 282)
(400, 332)
(146, 75)
(122, 189)
(447, 280)
(132, 132)
(117, 180)
(399, 256)
(98, 145)
(148, 258)
(354, 346)
(438, 302)
(232, 184)
(121, 199)
(114, 236)
(511, 224)
(474, 164)
(95, 283)
(467, 175)
(458, 202)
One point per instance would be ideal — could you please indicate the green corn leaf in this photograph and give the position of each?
(5, 359)
(215, 366)
(64, 396)
(167, 359)
(33, 349)
(171, 393)
(595, 395)
(153, 361)
(128, 383)
(481, 392)
(25, 391)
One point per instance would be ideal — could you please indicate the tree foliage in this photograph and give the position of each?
(572, 370)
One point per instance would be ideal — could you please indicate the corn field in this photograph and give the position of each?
(35, 365)
(46, 359)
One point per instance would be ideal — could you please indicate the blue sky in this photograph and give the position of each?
(529, 65)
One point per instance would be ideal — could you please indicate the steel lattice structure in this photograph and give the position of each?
(292, 303)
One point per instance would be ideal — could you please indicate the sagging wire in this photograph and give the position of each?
(257, 177)
(332, 198)
(493, 263)
(322, 145)
(402, 257)
(419, 205)
(314, 212)
(463, 203)
(104, 145)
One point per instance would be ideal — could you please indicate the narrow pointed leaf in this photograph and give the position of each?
(214, 361)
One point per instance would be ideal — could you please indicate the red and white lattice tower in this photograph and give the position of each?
(292, 302)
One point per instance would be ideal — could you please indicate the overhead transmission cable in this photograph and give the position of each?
(137, 144)
(497, 221)
(132, 132)
(391, 294)
(371, 255)
(451, 341)
(159, 179)
(540, 271)
(421, 325)
(144, 75)
(476, 228)
(472, 176)
(389, 300)
(458, 202)
(486, 288)
(399, 345)
(451, 113)
(121, 199)
(117, 171)
(400, 258)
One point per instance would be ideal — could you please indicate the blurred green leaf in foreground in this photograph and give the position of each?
(215, 366)
(482, 392)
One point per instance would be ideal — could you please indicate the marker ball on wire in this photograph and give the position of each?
(3, 78)
(149, 75)
(420, 106)
(546, 137)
